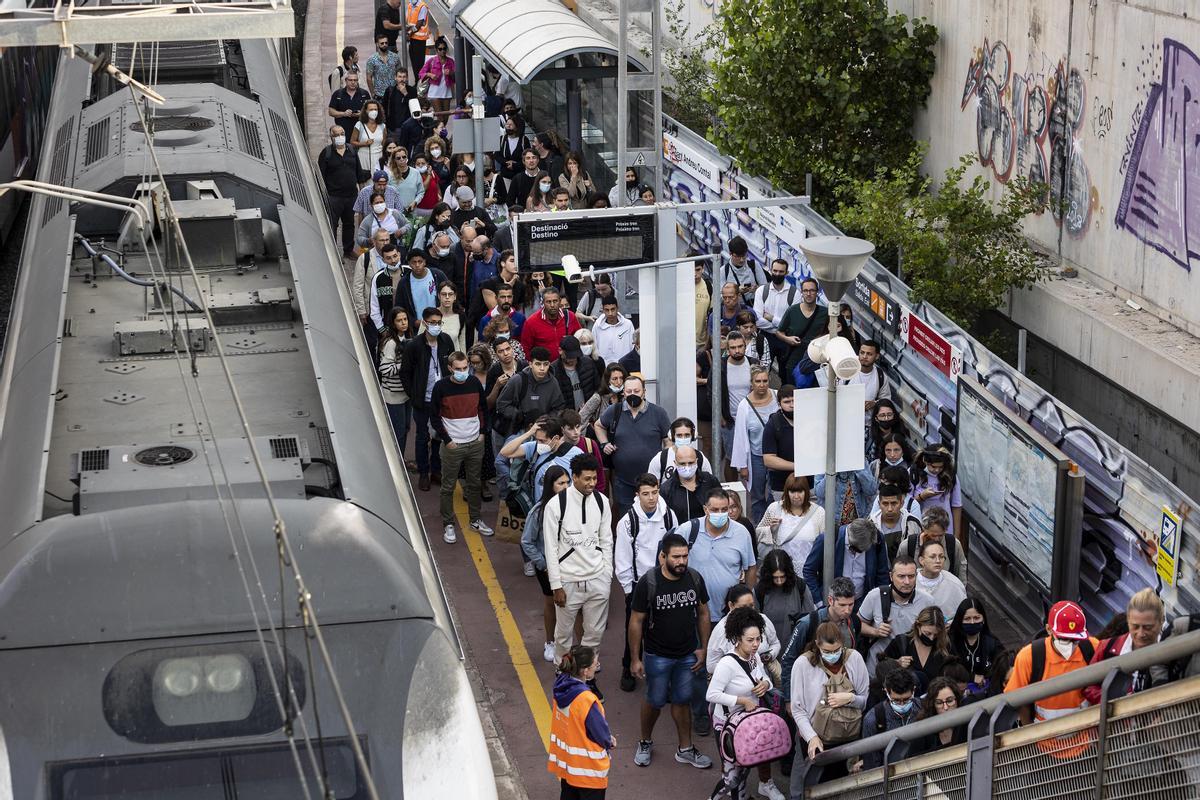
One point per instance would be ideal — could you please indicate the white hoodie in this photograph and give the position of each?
(584, 540)
(613, 341)
(640, 556)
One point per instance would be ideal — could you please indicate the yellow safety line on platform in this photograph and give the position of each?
(535, 694)
(339, 30)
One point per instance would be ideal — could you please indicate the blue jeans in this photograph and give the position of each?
(401, 416)
(428, 459)
(759, 496)
(668, 679)
(502, 463)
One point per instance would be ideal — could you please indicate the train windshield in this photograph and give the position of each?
(264, 773)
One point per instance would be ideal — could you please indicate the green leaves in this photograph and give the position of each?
(959, 251)
(835, 84)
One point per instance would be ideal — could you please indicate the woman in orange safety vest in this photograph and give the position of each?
(579, 735)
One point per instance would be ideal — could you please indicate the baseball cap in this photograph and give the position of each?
(464, 193)
(379, 175)
(570, 346)
(1067, 621)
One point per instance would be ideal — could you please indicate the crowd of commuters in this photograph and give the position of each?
(527, 390)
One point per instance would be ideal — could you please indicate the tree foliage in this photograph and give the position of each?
(817, 86)
(690, 67)
(961, 252)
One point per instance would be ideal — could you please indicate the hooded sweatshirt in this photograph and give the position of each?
(566, 689)
(579, 546)
(524, 399)
(633, 559)
(613, 341)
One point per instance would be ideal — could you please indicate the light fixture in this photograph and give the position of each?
(837, 353)
(836, 261)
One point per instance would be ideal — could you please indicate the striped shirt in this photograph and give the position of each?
(458, 409)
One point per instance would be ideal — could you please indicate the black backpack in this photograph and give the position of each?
(668, 523)
(521, 487)
(1037, 649)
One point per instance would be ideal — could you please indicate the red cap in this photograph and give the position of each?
(1066, 621)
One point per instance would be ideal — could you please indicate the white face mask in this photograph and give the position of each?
(470, 166)
(1064, 649)
(545, 187)
(435, 152)
(687, 472)
(587, 349)
(372, 114)
(543, 448)
(339, 141)
(422, 170)
(469, 100)
(379, 208)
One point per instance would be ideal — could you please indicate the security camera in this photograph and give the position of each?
(570, 265)
(838, 353)
(414, 108)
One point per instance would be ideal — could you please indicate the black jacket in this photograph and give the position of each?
(404, 295)
(585, 369)
(341, 173)
(523, 400)
(395, 106)
(415, 370)
(676, 496)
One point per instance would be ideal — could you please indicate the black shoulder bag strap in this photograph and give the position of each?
(695, 534)
(562, 511)
(633, 535)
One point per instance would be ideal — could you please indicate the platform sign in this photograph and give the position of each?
(932, 346)
(1168, 546)
(601, 241)
(885, 309)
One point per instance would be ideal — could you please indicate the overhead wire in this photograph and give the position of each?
(285, 701)
(286, 553)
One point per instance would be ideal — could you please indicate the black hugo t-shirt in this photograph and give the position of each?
(670, 632)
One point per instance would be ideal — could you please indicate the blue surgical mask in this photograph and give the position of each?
(831, 658)
(461, 375)
(433, 330)
(901, 708)
(683, 441)
(719, 519)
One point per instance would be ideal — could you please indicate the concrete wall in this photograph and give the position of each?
(1073, 91)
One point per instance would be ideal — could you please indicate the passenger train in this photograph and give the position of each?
(138, 531)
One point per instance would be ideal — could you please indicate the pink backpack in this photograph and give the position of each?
(754, 737)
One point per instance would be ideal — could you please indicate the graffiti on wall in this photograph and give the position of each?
(1160, 200)
(1027, 124)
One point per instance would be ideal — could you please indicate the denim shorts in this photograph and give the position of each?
(668, 677)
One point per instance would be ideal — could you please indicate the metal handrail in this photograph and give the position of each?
(1171, 649)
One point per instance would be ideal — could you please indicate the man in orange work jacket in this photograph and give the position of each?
(1066, 649)
(579, 734)
(416, 21)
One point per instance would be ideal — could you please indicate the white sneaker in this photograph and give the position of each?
(548, 652)
(769, 790)
(481, 527)
(529, 569)
(449, 535)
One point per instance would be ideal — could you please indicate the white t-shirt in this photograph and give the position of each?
(901, 618)
(738, 377)
(946, 590)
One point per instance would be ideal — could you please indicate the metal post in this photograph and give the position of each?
(575, 114)
(477, 125)
(1022, 343)
(402, 41)
(808, 180)
(832, 510)
(622, 98)
(1115, 685)
(656, 126)
(714, 380)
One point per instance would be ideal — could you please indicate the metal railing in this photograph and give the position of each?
(1141, 745)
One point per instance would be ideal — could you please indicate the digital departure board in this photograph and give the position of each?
(600, 242)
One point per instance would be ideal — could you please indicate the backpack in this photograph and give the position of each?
(1187, 666)
(950, 546)
(753, 737)
(668, 523)
(791, 298)
(837, 725)
(521, 489)
(1037, 649)
(863, 645)
(505, 426)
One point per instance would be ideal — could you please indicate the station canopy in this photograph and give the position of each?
(522, 37)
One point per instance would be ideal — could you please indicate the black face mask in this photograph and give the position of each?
(477, 256)
(902, 595)
(928, 641)
(778, 279)
(787, 414)
(633, 400)
(630, 184)
(885, 424)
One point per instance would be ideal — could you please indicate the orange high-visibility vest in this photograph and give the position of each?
(414, 19)
(573, 756)
(1071, 745)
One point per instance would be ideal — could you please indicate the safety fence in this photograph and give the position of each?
(1130, 746)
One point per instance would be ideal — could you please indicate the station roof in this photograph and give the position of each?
(522, 37)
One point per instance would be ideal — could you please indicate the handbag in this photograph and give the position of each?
(423, 87)
(841, 724)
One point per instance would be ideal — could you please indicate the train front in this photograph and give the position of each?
(131, 664)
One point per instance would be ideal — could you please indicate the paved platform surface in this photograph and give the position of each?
(499, 610)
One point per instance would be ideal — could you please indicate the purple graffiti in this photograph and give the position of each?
(1162, 184)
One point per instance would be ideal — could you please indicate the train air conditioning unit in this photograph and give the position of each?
(130, 476)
